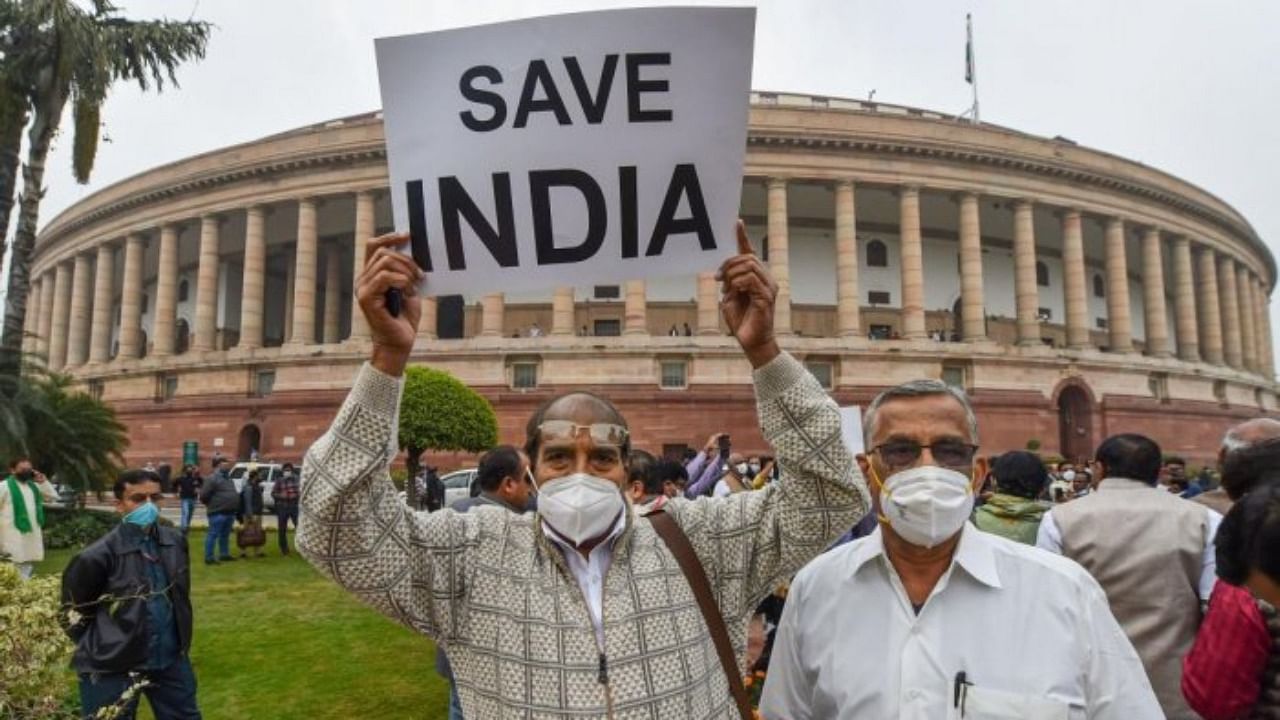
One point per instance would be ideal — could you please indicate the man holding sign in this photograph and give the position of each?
(581, 609)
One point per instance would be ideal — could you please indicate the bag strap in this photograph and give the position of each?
(678, 543)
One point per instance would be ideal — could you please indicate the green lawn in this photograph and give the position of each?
(275, 639)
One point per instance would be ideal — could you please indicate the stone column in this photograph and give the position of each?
(912, 259)
(562, 318)
(364, 230)
(288, 301)
(1229, 306)
(1157, 323)
(1184, 301)
(205, 336)
(1244, 301)
(31, 324)
(848, 320)
(304, 276)
(332, 295)
(1026, 291)
(81, 306)
(1073, 280)
(779, 254)
(45, 323)
(635, 319)
(1210, 315)
(493, 315)
(1264, 332)
(708, 304)
(162, 335)
(973, 308)
(427, 324)
(252, 300)
(1119, 327)
(103, 295)
(131, 299)
(61, 312)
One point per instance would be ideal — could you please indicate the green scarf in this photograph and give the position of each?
(21, 520)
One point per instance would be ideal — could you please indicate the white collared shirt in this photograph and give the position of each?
(589, 571)
(1031, 631)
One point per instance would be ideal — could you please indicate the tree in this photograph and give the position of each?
(53, 52)
(439, 412)
(65, 432)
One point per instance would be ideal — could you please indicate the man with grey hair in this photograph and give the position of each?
(973, 625)
(1240, 437)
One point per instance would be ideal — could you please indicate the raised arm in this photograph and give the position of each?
(353, 526)
(750, 542)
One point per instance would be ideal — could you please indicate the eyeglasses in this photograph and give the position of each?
(900, 454)
(601, 433)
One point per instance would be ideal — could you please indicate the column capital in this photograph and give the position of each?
(907, 189)
(1023, 202)
(775, 182)
(217, 218)
(257, 209)
(845, 183)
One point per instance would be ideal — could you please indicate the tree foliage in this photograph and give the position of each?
(439, 412)
(65, 432)
(34, 652)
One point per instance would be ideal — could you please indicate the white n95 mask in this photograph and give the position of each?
(927, 504)
(580, 506)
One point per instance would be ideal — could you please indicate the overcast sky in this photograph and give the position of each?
(1190, 88)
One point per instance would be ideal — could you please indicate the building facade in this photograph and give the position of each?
(1071, 293)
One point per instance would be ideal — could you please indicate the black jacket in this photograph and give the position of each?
(219, 494)
(116, 641)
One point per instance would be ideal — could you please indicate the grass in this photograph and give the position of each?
(275, 639)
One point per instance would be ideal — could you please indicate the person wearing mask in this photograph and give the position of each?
(1150, 550)
(284, 495)
(222, 504)
(22, 497)
(1233, 669)
(671, 477)
(128, 595)
(930, 617)
(762, 471)
(1014, 510)
(189, 484)
(582, 608)
(251, 535)
(735, 476)
(705, 469)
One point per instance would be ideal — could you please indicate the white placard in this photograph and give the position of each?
(217, 442)
(574, 149)
(287, 441)
(851, 428)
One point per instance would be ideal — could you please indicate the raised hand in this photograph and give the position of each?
(747, 300)
(386, 268)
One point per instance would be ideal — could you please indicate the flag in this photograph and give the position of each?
(968, 50)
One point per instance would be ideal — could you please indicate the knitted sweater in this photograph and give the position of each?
(490, 588)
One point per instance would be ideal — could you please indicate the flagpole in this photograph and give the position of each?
(972, 65)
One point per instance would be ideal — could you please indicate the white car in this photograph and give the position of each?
(268, 471)
(457, 485)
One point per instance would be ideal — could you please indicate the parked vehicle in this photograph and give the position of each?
(268, 471)
(459, 485)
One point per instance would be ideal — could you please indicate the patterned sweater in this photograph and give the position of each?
(499, 597)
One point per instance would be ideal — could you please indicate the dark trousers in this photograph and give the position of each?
(171, 692)
(285, 511)
(220, 525)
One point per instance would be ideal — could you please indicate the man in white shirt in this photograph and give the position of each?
(1151, 551)
(929, 617)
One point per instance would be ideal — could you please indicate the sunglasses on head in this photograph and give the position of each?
(901, 454)
(601, 433)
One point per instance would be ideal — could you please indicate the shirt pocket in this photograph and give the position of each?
(979, 703)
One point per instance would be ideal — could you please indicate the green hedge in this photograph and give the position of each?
(69, 528)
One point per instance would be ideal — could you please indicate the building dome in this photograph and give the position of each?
(1070, 292)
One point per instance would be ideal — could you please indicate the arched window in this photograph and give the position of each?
(183, 289)
(877, 254)
(1042, 274)
(1099, 290)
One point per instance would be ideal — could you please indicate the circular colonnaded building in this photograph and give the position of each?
(1072, 294)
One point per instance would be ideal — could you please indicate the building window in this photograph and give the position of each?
(607, 328)
(877, 254)
(674, 451)
(822, 371)
(524, 375)
(1257, 399)
(1044, 314)
(166, 387)
(673, 374)
(146, 302)
(953, 375)
(1101, 323)
(1099, 290)
(183, 290)
(1158, 384)
(607, 292)
(1042, 274)
(1220, 391)
(265, 382)
(878, 297)
(95, 389)
(880, 332)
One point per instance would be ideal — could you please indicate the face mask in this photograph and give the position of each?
(27, 475)
(1069, 475)
(742, 468)
(754, 468)
(580, 506)
(288, 473)
(144, 515)
(927, 504)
